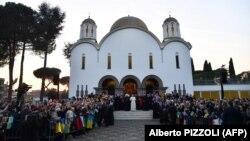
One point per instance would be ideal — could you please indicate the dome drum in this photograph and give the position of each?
(88, 29)
(171, 28)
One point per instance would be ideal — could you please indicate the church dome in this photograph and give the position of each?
(88, 29)
(171, 28)
(170, 19)
(129, 21)
(88, 20)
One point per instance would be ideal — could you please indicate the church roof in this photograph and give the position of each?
(170, 19)
(88, 20)
(129, 21)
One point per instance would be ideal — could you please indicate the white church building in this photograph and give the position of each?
(130, 59)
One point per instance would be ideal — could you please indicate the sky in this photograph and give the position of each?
(216, 29)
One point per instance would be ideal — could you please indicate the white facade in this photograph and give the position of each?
(130, 59)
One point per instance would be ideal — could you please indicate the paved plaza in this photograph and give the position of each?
(123, 130)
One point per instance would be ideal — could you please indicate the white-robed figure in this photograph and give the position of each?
(133, 104)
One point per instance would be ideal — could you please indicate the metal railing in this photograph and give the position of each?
(35, 128)
(213, 82)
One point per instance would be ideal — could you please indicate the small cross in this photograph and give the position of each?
(169, 12)
(128, 12)
(89, 14)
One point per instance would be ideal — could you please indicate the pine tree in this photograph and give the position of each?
(49, 25)
(205, 66)
(209, 67)
(231, 68)
(16, 22)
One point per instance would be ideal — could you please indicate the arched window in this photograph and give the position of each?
(177, 30)
(83, 61)
(109, 61)
(167, 29)
(150, 60)
(172, 28)
(92, 31)
(87, 30)
(177, 60)
(129, 61)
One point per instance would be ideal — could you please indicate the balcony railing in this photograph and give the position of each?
(214, 82)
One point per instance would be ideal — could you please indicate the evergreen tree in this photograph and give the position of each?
(209, 67)
(9, 38)
(67, 50)
(27, 28)
(223, 75)
(49, 25)
(4, 60)
(205, 66)
(47, 73)
(15, 30)
(231, 68)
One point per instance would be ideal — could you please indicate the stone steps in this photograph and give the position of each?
(133, 115)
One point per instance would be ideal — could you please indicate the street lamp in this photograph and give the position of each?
(223, 79)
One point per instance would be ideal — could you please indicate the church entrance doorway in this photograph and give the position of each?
(108, 85)
(130, 86)
(151, 85)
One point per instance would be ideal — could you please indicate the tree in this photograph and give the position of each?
(223, 75)
(27, 28)
(3, 53)
(209, 67)
(52, 93)
(208, 77)
(192, 65)
(67, 50)
(244, 76)
(49, 25)
(47, 73)
(231, 69)
(65, 81)
(11, 35)
(205, 66)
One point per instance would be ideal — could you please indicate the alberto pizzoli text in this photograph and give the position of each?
(199, 132)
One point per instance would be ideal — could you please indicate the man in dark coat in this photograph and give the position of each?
(146, 102)
(172, 114)
(232, 115)
(127, 103)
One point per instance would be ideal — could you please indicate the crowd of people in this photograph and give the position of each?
(78, 116)
(125, 102)
(185, 109)
(71, 117)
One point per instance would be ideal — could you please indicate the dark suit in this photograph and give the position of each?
(232, 116)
